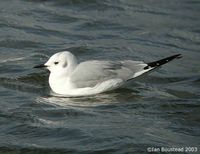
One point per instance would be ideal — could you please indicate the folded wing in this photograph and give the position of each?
(90, 73)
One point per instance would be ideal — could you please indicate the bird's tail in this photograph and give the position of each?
(152, 66)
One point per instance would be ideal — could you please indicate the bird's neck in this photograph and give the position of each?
(60, 81)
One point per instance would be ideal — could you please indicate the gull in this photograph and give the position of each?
(70, 78)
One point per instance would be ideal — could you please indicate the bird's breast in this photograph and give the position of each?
(60, 85)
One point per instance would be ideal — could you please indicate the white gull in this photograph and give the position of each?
(70, 78)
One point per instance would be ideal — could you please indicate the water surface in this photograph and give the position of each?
(160, 110)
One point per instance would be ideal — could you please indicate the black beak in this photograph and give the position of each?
(40, 66)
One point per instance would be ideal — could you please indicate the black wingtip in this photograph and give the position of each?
(158, 63)
(179, 56)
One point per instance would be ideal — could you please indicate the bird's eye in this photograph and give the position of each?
(55, 63)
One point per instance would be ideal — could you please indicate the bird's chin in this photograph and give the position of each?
(48, 69)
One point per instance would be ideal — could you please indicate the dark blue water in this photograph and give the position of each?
(160, 110)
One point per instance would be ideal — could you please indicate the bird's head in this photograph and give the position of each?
(59, 62)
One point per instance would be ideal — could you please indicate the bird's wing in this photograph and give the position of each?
(90, 73)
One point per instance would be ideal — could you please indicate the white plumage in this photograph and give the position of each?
(69, 78)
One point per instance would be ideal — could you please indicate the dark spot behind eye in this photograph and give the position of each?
(55, 63)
